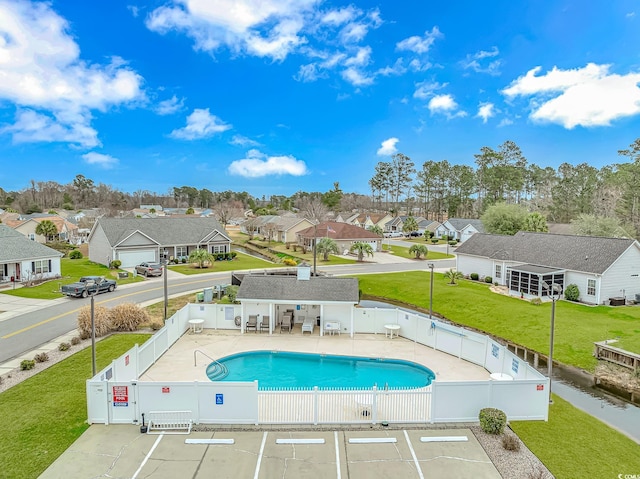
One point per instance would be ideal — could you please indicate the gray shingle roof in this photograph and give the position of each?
(460, 223)
(15, 246)
(290, 288)
(589, 254)
(165, 230)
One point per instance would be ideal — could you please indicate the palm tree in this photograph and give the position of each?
(200, 256)
(47, 229)
(419, 250)
(410, 225)
(376, 229)
(327, 246)
(452, 275)
(361, 249)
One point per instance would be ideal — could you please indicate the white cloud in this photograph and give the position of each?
(104, 161)
(475, 62)
(486, 111)
(200, 124)
(397, 69)
(170, 106)
(446, 105)
(340, 16)
(388, 147)
(419, 44)
(419, 66)
(630, 14)
(505, 122)
(41, 73)
(588, 96)
(257, 165)
(308, 73)
(426, 89)
(361, 58)
(240, 140)
(357, 77)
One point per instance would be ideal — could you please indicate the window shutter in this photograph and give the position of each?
(33, 266)
(49, 266)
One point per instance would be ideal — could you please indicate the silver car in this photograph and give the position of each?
(149, 269)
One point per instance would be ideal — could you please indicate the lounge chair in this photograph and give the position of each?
(308, 324)
(286, 322)
(252, 323)
(264, 324)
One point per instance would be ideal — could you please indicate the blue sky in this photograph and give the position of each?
(276, 96)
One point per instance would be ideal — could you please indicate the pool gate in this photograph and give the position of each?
(116, 396)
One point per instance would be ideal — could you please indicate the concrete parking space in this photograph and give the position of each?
(123, 452)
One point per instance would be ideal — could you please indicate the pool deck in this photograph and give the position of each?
(177, 364)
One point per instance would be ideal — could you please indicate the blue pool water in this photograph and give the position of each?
(303, 370)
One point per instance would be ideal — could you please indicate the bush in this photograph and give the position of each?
(453, 242)
(536, 301)
(127, 317)
(184, 260)
(434, 240)
(510, 442)
(101, 318)
(156, 324)
(64, 347)
(289, 262)
(75, 340)
(444, 237)
(41, 358)
(492, 420)
(474, 276)
(75, 254)
(115, 264)
(572, 293)
(233, 255)
(488, 279)
(27, 364)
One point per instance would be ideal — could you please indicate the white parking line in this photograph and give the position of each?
(146, 458)
(444, 438)
(264, 441)
(335, 438)
(372, 440)
(413, 454)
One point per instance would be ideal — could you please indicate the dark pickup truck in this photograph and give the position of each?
(88, 285)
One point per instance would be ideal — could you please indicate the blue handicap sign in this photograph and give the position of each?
(219, 398)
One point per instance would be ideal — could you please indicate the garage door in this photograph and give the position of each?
(132, 258)
(374, 245)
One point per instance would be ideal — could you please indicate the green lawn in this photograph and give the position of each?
(403, 252)
(72, 270)
(471, 303)
(242, 261)
(42, 416)
(574, 444)
(282, 251)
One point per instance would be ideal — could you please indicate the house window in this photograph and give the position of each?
(181, 251)
(40, 266)
(219, 248)
(32, 236)
(498, 274)
(591, 287)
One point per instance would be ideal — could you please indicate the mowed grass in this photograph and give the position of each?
(241, 261)
(280, 248)
(42, 416)
(471, 303)
(403, 252)
(72, 270)
(574, 444)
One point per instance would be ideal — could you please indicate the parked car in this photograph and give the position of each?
(414, 234)
(393, 234)
(149, 269)
(88, 285)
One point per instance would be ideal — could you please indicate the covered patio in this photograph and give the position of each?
(527, 279)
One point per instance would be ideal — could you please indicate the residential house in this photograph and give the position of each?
(428, 225)
(136, 240)
(396, 224)
(22, 259)
(368, 220)
(27, 225)
(460, 229)
(345, 235)
(276, 228)
(602, 268)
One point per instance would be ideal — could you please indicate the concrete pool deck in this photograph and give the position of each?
(177, 364)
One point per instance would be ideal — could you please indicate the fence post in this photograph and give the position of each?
(432, 403)
(315, 405)
(374, 406)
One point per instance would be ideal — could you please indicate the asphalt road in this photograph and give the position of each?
(30, 330)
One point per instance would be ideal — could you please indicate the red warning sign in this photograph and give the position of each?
(166, 390)
(120, 396)
(540, 387)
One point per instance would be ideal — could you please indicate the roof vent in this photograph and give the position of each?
(304, 273)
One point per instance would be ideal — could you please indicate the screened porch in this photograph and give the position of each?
(528, 278)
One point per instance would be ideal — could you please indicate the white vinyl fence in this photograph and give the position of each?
(115, 395)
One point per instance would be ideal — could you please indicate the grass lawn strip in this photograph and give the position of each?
(241, 261)
(42, 416)
(403, 252)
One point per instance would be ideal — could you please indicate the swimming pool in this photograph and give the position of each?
(280, 369)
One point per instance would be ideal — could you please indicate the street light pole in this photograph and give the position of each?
(166, 297)
(555, 290)
(93, 328)
(315, 236)
(431, 265)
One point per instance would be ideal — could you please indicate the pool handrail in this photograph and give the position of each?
(204, 354)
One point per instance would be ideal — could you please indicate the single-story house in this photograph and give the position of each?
(27, 225)
(602, 268)
(344, 234)
(315, 301)
(397, 224)
(428, 225)
(460, 229)
(276, 228)
(368, 220)
(24, 260)
(136, 240)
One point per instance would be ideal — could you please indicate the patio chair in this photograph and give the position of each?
(252, 323)
(286, 322)
(264, 324)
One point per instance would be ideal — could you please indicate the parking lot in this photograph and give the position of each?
(123, 452)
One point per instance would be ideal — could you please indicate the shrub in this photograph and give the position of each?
(41, 358)
(289, 262)
(75, 254)
(445, 237)
(572, 293)
(64, 347)
(488, 279)
(115, 264)
(536, 301)
(27, 364)
(492, 420)
(434, 240)
(156, 324)
(510, 442)
(233, 255)
(127, 317)
(184, 260)
(75, 340)
(474, 276)
(101, 318)
(453, 242)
